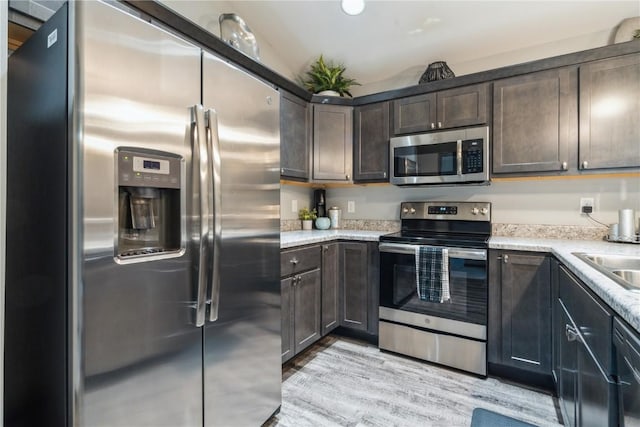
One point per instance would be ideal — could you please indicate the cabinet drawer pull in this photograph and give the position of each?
(384, 174)
(348, 177)
(564, 166)
(571, 333)
(505, 259)
(439, 125)
(585, 164)
(294, 261)
(433, 125)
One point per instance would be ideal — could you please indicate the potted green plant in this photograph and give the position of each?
(327, 77)
(307, 216)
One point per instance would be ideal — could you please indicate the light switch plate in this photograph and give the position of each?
(351, 206)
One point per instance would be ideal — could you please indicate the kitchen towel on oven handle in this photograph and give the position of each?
(432, 274)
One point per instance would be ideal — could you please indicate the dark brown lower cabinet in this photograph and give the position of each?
(325, 287)
(582, 339)
(287, 319)
(300, 299)
(306, 309)
(300, 312)
(354, 297)
(330, 287)
(520, 311)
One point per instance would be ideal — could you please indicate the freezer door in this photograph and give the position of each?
(139, 354)
(242, 347)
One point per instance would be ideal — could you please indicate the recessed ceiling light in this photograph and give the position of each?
(353, 7)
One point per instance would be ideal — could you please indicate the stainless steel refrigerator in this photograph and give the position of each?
(142, 273)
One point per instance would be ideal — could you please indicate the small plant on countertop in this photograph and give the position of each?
(307, 215)
(323, 76)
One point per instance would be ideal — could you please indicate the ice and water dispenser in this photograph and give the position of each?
(149, 203)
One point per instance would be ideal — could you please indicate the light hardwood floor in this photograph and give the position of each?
(343, 382)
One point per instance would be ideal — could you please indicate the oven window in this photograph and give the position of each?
(426, 160)
(467, 285)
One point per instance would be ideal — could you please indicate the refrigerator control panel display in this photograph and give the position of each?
(142, 164)
(143, 168)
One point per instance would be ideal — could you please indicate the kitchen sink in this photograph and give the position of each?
(624, 270)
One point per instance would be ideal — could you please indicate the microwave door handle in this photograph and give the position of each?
(459, 156)
(199, 175)
(215, 198)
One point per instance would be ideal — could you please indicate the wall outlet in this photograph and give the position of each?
(586, 205)
(294, 206)
(351, 206)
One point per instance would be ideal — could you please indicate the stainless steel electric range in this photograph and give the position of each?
(452, 332)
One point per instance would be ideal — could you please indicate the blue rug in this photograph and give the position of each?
(484, 418)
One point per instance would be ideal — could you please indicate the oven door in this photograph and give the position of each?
(467, 284)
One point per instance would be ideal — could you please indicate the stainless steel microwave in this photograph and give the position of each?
(446, 157)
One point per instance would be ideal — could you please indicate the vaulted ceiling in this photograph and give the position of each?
(394, 37)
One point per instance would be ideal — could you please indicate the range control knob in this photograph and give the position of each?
(405, 210)
(475, 211)
(412, 210)
(484, 211)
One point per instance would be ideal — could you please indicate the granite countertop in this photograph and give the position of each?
(289, 239)
(625, 303)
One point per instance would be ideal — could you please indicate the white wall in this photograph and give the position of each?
(551, 202)
(3, 149)
(411, 76)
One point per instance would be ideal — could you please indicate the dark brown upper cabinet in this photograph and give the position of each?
(535, 122)
(610, 113)
(332, 143)
(371, 143)
(462, 106)
(295, 140)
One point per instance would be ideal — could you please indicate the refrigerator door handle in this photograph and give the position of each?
(200, 166)
(215, 200)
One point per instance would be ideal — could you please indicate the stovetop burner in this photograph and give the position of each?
(459, 224)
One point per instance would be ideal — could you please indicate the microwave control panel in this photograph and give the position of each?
(472, 154)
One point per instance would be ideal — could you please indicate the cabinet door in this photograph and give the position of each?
(595, 393)
(414, 114)
(354, 286)
(534, 121)
(332, 142)
(287, 319)
(609, 111)
(371, 143)
(568, 374)
(463, 106)
(294, 137)
(306, 310)
(330, 281)
(373, 287)
(526, 311)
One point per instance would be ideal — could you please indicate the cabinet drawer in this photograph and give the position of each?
(298, 260)
(592, 319)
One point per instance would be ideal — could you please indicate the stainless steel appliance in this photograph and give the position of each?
(143, 230)
(453, 332)
(319, 202)
(444, 157)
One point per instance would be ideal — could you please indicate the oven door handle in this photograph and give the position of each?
(461, 253)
